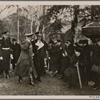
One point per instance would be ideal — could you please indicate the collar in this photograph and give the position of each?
(28, 40)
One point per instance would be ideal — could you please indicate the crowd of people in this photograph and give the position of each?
(74, 62)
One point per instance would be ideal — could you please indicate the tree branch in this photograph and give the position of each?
(3, 9)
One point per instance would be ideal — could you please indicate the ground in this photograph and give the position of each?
(48, 86)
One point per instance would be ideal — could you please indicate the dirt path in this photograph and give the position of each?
(48, 86)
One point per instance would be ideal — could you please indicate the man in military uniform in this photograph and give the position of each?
(6, 46)
(39, 50)
(25, 66)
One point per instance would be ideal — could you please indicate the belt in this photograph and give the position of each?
(5, 48)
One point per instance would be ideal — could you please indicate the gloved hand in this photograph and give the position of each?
(11, 56)
(1, 58)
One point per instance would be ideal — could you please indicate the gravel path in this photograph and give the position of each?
(48, 86)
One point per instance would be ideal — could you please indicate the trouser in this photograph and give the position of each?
(85, 74)
(97, 79)
(39, 66)
(30, 75)
(6, 61)
(13, 65)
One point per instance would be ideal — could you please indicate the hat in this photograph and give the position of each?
(85, 41)
(59, 41)
(77, 49)
(28, 34)
(80, 42)
(5, 32)
(13, 39)
(51, 42)
(38, 33)
(68, 41)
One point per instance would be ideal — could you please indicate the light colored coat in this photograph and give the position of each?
(25, 61)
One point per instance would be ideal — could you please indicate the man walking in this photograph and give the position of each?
(39, 49)
(16, 49)
(6, 51)
(25, 66)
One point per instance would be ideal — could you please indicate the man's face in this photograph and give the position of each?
(39, 37)
(5, 36)
(33, 37)
(77, 53)
(30, 38)
(80, 44)
(14, 42)
(67, 44)
(59, 43)
(98, 43)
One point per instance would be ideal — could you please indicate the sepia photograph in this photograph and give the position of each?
(49, 49)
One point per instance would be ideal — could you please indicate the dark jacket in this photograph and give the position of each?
(16, 49)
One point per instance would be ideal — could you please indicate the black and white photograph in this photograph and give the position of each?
(49, 49)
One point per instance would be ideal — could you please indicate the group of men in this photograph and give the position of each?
(27, 58)
(78, 61)
(33, 58)
(75, 61)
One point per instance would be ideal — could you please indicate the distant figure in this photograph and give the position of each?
(70, 74)
(65, 59)
(96, 62)
(25, 66)
(40, 54)
(16, 49)
(85, 59)
(6, 51)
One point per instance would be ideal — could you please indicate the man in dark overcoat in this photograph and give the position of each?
(96, 61)
(86, 52)
(16, 49)
(6, 50)
(55, 55)
(39, 50)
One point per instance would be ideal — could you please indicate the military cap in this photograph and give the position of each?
(5, 32)
(38, 33)
(28, 34)
(13, 39)
(59, 40)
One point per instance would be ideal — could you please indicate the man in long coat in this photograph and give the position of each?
(55, 54)
(96, 61)
(25, 64)
(39, 49)
(16, 49)
(6, 50)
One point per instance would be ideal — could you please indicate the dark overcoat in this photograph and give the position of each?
(6, 43)
(16, 49)
(70, 74)
(39, 55)
(55, 53)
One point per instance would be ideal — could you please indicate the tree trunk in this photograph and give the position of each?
(75, 21)
(18, 30)
(18, 24)
(92, 14)
(32, 25)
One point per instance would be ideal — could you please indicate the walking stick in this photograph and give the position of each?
(79, 77)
